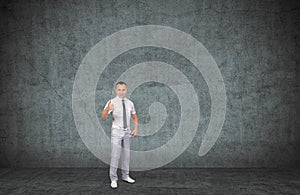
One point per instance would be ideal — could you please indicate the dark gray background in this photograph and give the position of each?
(255, 44)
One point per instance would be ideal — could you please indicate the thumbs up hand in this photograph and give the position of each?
(110, 105)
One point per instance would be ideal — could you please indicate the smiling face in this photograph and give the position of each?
(121, 90)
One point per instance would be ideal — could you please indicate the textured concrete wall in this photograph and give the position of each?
(254, 43)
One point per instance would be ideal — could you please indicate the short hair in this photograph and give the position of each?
(121, 83)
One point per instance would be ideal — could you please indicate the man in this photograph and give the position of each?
(121, 109)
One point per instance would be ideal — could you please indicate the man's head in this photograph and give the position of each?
(121, 89)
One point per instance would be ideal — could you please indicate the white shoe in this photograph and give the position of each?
(129, 180)
(114, 184)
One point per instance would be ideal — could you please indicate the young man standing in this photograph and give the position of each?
(121, 109)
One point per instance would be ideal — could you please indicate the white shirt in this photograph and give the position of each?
(117, 111)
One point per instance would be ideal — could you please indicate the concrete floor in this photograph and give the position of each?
(159, 181)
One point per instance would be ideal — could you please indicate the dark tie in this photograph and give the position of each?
(124, 115)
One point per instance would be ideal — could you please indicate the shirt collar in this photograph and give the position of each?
(121, 98)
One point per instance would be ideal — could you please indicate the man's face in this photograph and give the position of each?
(121, 90)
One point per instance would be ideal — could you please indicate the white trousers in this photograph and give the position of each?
(120, 142)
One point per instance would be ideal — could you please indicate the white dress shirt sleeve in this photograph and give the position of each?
(132, 109)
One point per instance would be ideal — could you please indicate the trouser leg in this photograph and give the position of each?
(116, 139)
(125, 155)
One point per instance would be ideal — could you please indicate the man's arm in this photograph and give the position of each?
(135, 120)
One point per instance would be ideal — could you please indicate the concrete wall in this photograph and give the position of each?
(254, 43)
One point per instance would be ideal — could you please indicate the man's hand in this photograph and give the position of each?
(110, 105)
(134, 133)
